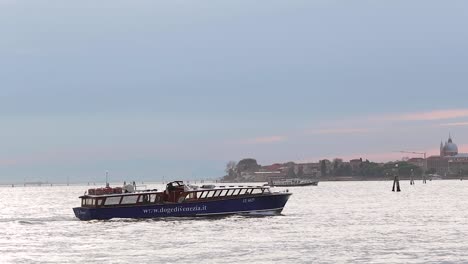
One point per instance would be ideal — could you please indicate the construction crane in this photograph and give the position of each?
(419, 153)
(414, 152)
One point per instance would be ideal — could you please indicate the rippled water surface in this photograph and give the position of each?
(336, 222)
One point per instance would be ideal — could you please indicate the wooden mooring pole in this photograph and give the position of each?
(412, 177)
(396, 183)
(396, 180)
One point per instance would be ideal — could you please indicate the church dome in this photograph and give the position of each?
(450, 148)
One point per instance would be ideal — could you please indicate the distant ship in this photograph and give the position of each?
(179, 200)
(282, 182)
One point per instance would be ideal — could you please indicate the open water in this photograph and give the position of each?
(336, 222)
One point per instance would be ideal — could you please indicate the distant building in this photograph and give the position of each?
(437, 163)
(272, 167)
(308, 170)
(355, 164)
(449, 161)
(420, 162)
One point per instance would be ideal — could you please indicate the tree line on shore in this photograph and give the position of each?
(369, 169)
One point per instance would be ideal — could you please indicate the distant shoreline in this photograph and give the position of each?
(350, 179)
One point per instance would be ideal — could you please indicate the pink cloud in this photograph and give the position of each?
(463, 148)
(430, 115)
(454, 124)
(9, 162)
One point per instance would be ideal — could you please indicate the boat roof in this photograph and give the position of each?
(214, 187)
(119, 194)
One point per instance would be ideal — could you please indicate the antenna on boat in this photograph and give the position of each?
(107, 178)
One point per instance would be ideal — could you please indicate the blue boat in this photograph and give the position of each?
(180, 200)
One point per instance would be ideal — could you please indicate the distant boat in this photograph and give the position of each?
(282, 182)
(36, 183)
(179, 200)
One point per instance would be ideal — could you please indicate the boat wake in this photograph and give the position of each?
(37, 221)
(261, 213)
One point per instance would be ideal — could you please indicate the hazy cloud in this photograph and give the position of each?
(265, 140)
(430, 115)
(339, 131)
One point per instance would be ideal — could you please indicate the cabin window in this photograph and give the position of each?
(144, 198)
(132, 199)
(257, 191)
(231, 192)
(158, 198)
(89, 201)
(204, 195)
(112, 200)
(223, 193)
(99, 202)
(152, 198)
(243, 191)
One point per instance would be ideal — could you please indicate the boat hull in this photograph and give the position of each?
(255, 205)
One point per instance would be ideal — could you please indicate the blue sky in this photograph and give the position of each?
(147, 89)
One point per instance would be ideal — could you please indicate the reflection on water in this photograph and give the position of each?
(336, 222)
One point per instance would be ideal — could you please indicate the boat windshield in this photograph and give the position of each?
(174, 185)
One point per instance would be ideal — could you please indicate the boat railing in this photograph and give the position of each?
(224, 192)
